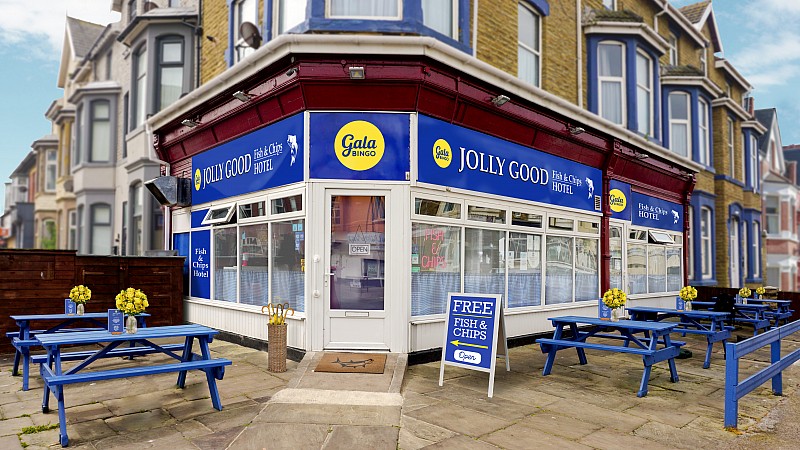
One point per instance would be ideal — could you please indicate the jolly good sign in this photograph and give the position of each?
(450, 155)
(475, 326)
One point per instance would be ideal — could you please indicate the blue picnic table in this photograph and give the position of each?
(647, 346)
(56, 376)
(710, 324)
(25, 338)
(750, 313)
(780, 310)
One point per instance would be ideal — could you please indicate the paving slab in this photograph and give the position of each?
(14, 426)
(462, 443)
(139, 421)
(281, 436)
(372, 437)
(10, 443)
(522, 437)
(330, 414)
(558, 425)
(459, 419)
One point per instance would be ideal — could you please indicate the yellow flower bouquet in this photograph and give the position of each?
(131, 301)
(688, 293)
(80, 294)
(760, 290)
(614, 298)
(744, 292)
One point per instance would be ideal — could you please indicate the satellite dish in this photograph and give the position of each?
(149, 6)
(250, 35)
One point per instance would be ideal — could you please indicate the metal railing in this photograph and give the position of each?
(735, 389)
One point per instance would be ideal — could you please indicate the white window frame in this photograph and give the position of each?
(140, 87)
(706, 254)
(240, 48)
(754, 181)
(228, 209)
(649, 90)
(776, 215)
(537, 53)
(610, 4)
(673, 49)
(742, 171)
(612, 79)
(703, 129)
(51, 160)
(756, 248)
(453, 34)
(731, 147)
(72, 229)
(704, 60)
(690, 242)
(279, 6)
(687, 122)
(745, 250)
(661, 237)
(399, 16)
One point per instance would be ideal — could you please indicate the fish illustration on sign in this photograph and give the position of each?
(292, 141)
(353, 364)
(675, 216)
(590, 183)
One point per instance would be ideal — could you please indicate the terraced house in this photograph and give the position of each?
(360, 160)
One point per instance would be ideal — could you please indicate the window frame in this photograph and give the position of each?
(229, 209)
(621, 80)
(521, 46)
(650, 94)
(329, 13)
(672, 42)
(731, 147)
(93, 224)
(706, 244)
(754, 165)
(161, 65)
(50, 170)
(279, 7)
(687, 122)
(139, 87)
(93, 120)
(704, 154)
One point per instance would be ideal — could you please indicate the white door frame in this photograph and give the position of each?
(735, 255)
(624, 226)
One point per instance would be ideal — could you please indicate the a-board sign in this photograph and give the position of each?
(603, 311)
(69, 307)
(474, 329)
(680, 305)
(116, 321)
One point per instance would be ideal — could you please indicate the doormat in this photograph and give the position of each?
(351, 363)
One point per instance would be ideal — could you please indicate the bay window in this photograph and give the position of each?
(100, 133)
(703, 138)
(243, 11)
(383, 9)
(439, 15)
(611, 70)
(705, 242)
(100, 229)
(290, 14)
(528, 44)
(50, 171)
(679, 123)
(644, 94)
(772, 213)
(170, 71)
(140, 87)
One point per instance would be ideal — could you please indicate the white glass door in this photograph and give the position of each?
(736, 261)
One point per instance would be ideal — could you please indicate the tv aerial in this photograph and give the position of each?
(250, 35)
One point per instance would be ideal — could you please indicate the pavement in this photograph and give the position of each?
(576, 407)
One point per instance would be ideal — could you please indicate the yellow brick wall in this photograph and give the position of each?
(559, 41)
(752, 200)
(215, 23)
(705, 182)
(497, 34)
(646, 9)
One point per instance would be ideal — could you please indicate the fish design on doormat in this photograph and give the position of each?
(353, 364)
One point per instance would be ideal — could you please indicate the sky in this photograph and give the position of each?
(759, 37)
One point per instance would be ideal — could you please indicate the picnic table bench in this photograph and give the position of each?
(780, 310)
(56, 376)
(713, 325)
(655, 334)
(25, 338)
(750, 313)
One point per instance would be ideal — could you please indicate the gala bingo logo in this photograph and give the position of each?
(198, 180)
(617, 200)
(442, 153)
(359, 145)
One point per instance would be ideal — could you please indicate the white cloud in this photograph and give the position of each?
(38, 25)
(772, 49)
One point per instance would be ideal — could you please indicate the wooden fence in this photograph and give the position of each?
(38, 281)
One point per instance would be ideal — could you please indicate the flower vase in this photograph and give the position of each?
(79, 309)
(131, 325)
(687, 306)
(616, 313)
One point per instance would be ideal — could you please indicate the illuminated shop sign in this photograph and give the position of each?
(359, 146)
(450, 155)
(200, 268)
(269, 157)
(653, 212)
(619, 200)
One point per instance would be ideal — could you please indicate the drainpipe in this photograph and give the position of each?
(475, 28)
(579, 58)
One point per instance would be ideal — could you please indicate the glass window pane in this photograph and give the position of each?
(489, 215)
(437, 208)
(615, 247)
(101, 141)
(171, 85)
(558, 223)
(254, 281)
(288, 263)
(364, 8)
(100, 110)
(435, 267)
(674, 272)
(484, 261)
(559, 280)
(225, 256)
(610, 59)
(637, 269)
(643, 71)
(255, 209)
(588, 227)
(524, 270)
(287, 204)
(611, 99)
(526, 219)
(292, 13)
(679, 106)
(528, 69)
(643, 108)
(656, 269)
(171, 52)
(528, 27)
(679, 138)
(587, 271)
(438, 15)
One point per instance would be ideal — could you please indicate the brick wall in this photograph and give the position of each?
(559, 65)
(215, 23)
(497, 35)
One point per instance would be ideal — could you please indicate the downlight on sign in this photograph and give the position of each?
(359, 146)
(269, 157)
(454, 156)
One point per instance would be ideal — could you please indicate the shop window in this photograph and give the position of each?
(488, 215)
(225, 262)
(288, 263)
(587, 274)
(559, 281)
(644, 94)
(243, 11)
(524, 270)
(100, 136)
(772, 213)
(526, 219)
(290, 14)
(706, 219)
(435, 267)
(703, 130)
(528, 44)
(585, 226)
(440, 15)
(561, 224)
(139, 113)
(615, 248)
(100, 229)
(252, 210)
(679, 123)
(219, 215)
(437, 208)
(674, 273)
(170, 71)
(375, 9)
(50, 171)
(660, 237)
(484, 261)
(289, 204)
(254, 264)
(656, 269)
(637, 268)
(611, 79)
